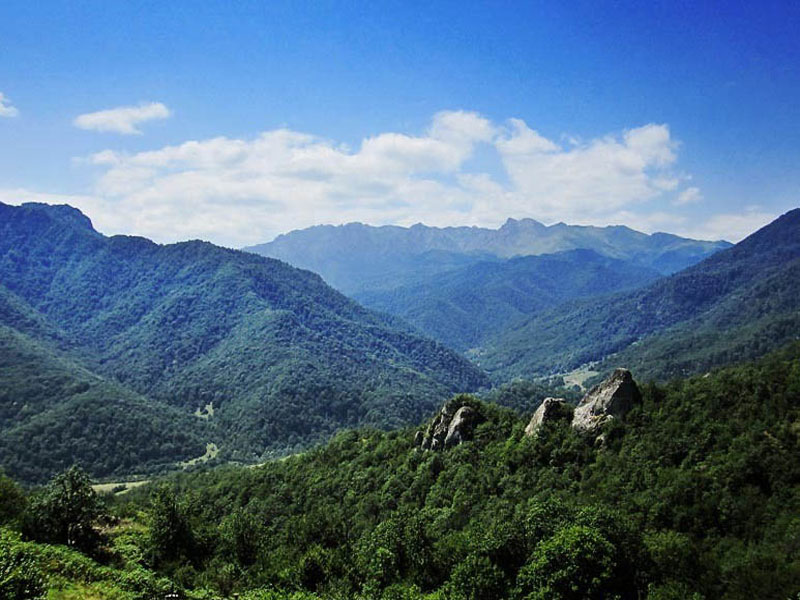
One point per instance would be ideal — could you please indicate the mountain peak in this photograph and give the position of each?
(62, 212)
(525, 223)
(780, 236)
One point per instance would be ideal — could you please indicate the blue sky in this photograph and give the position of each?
(235, 121)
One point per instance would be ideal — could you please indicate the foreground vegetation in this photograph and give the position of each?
(696, 495)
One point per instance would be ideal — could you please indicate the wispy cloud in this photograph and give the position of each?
(123, 119)
(691, 195)
(6, 108)
(730, 226)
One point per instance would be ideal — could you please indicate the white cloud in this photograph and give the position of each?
(587, 180)
(243, 191)
(6, 108)
(122, 119)
(731, 226)
(691, 195)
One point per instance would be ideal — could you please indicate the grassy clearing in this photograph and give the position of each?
(205, 412)
(579, 376)
(118, 487)
(211, 453)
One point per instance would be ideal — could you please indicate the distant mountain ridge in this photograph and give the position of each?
(283, 358)
(735, 305)
(464, 306)
(357, 257)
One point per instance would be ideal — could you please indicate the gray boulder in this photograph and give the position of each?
(453, 425)
(437, 431)
(551, 409)
(419, 437)
(460, 429)
(611, 399)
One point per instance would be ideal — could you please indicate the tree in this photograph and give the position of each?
(12, 500)
(241, 535)
(576, 563)
(170, 532)
(65, 512)
(476, 578)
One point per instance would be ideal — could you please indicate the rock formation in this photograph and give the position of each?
(551, 409)
(454, 424)
(611, 399)
(460, 429)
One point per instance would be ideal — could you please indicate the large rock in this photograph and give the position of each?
(460, 429)
(436, 432)
(611, 399)
(454, 424)
(551, 409)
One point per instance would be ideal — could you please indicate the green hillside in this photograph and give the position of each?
(737, 304)
(465, 306)
(54, 413)
(694, 494)
(282, 358)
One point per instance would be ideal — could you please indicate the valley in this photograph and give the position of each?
(399, 301)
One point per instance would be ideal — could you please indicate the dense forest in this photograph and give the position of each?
(694, 494)
(737, 304)
(189, 344)
(464, 307)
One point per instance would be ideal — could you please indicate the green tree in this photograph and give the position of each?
(12, 500)
(574, 564)
(476, 578)
(170, 532)
(65, 512)
(241, 536)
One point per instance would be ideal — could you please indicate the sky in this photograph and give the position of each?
(237, 121)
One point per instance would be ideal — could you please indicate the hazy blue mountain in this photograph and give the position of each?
(356, 258)
(464, 306)
(737, 304)
(283, 358)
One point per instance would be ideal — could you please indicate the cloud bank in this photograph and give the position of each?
(6, 108)
(463, 169)
(122, 119)
(242, 191)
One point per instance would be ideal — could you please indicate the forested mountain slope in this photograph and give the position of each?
(693, 494)
(357, 258)
(465, 306)
(280, 357)
(737, 304)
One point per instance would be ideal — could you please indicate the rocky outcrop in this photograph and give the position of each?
(460, 429)
(418, 438)
(611, 399)
(435, 434)
(453, 425)
(551, 409)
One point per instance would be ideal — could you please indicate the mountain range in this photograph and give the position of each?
(130, 356)
(356, 258)
(465, 306)
(527, 300)
(464, 285)
(735, 305)
(165, 349)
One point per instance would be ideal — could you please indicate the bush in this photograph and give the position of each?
(20, 576)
